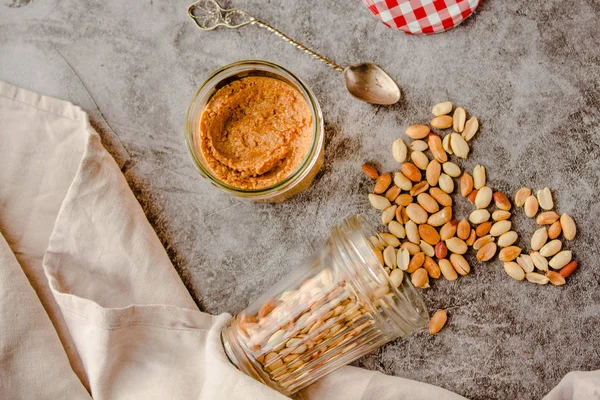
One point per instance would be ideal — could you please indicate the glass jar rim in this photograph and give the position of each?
(317, 139)
(348, 243)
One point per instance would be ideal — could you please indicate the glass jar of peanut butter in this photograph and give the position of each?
(337, 306)
(255, 131)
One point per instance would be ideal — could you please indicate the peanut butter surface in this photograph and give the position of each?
(255, 132)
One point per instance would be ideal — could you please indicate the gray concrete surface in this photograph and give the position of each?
(530, 70)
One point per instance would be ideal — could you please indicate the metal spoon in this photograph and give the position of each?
(365, 81)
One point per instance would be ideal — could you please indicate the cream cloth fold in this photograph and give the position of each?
(90, 304)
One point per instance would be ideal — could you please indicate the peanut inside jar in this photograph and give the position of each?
(302, 330)
(255, 132)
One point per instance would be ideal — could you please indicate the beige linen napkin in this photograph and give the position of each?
(89, 301)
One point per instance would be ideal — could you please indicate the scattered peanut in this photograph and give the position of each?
(472, 238)
(545, 199)
(535, 277)
(522, 195)
(441, 197)
(471, 127)
(460, 264)
(568, 269)
(560, 259)
(500, 228)
(539, 261)
(379, 202)
(479, 216)
(539, 238)
(500, 215)
(419, 278)
(437, 148)
(459, 117)
(555, 278)
(388, 214)
(370, 171)
(448, 230)
(432, 267)
(568, 227)
(466, 184)
(531, 206)
(442, 108)
(416, 262)
(440, 217)
(440, 250)
(484, 228)
(411, 172)
(416, 213)
(447, 145)
(487, 252)
(397, 229)
(448, 270)
(404, 199)
(484, 197)
(479, 178)
(412, 232)
(389, 257)
(482, 241)
(446, 183)
(418, 145)
(509, 253)
(459, 146)
(417, 131)
(419, 188)
(389, 239)
(399, 150)
(507, 239)
(437, 321)
(429, 234)
(392, 193)
(514, 271)
(403, 259)
(402, 181)
(554, 230)
(451, 169)
(547, 218)
(456, 245)
(432, 174)
(502, 201)
(419, 159)
(525, 262)
(472, 196)
(428, 203)
(463, 230)
(441, 122)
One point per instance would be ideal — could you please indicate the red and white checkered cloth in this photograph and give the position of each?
(422, 16)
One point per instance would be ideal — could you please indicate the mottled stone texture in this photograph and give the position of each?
(530, 70)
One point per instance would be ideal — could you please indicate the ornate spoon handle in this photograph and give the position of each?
(208, 15)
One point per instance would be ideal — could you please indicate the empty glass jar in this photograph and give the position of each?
(337, 306)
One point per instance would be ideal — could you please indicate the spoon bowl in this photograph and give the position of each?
(368, 82)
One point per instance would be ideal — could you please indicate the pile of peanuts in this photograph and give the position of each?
(424, 240)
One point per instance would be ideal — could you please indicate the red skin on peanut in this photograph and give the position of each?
(568, 269)
(441, 251)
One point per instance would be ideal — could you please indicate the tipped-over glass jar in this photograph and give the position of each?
(337, 306)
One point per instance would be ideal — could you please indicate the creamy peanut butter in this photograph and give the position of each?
(255, 132)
